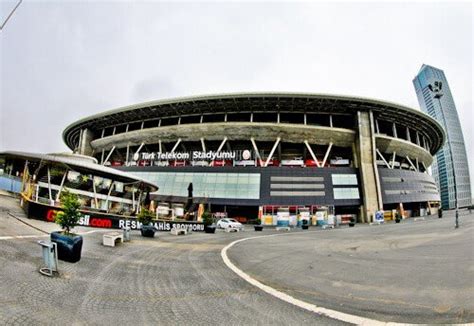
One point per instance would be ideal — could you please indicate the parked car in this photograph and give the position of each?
(229, 223)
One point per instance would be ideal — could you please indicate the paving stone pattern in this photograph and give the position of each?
(167, 280)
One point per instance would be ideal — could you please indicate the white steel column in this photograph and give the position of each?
(424, 166)
(139, 149)
(394, 129)
(108, 196)
(133, 199)
(128, 152)
(393, 159)
(256, 150)
(203, 144)
(221, 145)
(312, 153)
(330, 121)
(327, 154)
(61, 185)
(95, 193)
(176, 145)
(408, 135)
(383, 158)
(139, 202)
(377, 129)
(159, 146)
(108, 156)
(411, 163)
(49, 185)
(274, 147)
(80, 139)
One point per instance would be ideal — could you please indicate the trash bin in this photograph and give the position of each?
(50, 257)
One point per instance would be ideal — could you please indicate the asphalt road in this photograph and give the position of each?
(167, 280)
(413, 272)
(417, 272)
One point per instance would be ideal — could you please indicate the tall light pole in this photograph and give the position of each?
(436, 90)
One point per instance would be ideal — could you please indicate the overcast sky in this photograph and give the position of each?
(61, 61)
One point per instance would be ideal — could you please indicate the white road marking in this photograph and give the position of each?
(353, 319)
(13, 237)
(10, 237)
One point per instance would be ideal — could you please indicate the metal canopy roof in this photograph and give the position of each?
(81, 164)
(259, 102)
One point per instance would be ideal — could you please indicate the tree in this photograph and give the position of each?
(70, 215)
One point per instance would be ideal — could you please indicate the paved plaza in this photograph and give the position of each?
(419, 272)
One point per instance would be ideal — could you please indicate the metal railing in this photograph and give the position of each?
(10, 183)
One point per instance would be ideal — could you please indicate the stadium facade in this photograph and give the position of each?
(251, 152)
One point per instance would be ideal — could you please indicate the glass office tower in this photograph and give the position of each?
(450, 168)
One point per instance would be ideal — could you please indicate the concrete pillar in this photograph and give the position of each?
(366, 153)
(85, 142)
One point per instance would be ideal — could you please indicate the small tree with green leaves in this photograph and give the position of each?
(145, 216)
(207, 218)
(70, 215)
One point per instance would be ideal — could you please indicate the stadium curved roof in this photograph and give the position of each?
(259, 102)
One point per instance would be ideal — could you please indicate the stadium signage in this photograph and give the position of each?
(106, 221)
(186, 156)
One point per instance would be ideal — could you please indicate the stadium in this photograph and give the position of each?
(250, 155)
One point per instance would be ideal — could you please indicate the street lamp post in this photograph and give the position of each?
(437, 95)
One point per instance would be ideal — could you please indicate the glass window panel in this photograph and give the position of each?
(221, 178)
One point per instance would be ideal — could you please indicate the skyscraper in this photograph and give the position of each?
(450, 168)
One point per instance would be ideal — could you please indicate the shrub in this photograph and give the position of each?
(70, 215)
(207, 218)
(145, 216)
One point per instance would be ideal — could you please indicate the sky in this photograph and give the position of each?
(62, 60)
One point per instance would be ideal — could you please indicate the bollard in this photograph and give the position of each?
(126, 234)
(50, 257)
